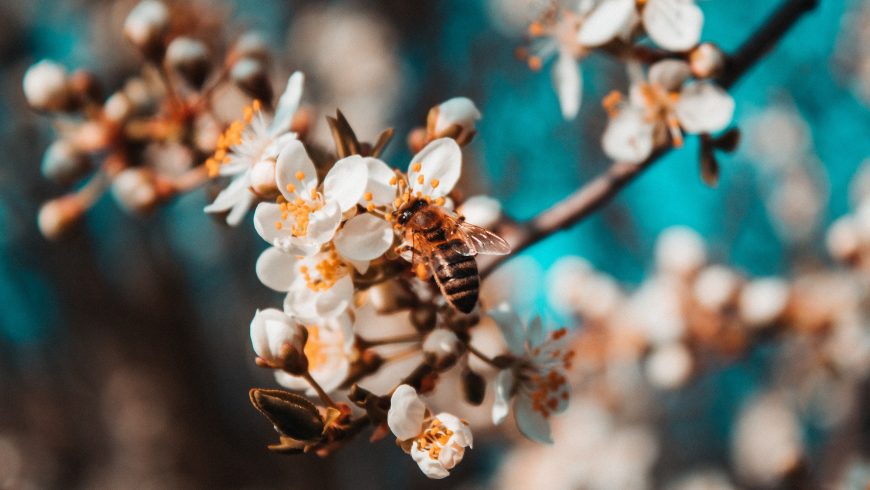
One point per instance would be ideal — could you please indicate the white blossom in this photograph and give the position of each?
(271, 329)
(329, 349)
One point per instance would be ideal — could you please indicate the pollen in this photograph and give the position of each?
(440, 201)
(300, 175)
(314, 349)
(434, 439)
(370, 207)
(421, 179)
(291, 188)
(394, 180)
(421, 271)
(368, 196)
(416, 167)
(535, 63)
(300, 210)
(326, 272)
(231, 137)
(435, 183)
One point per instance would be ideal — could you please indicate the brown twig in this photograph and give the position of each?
(600, 190)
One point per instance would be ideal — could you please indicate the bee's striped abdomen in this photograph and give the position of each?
(456, 275)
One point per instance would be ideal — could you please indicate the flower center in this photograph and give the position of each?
(326, 272)
(231, 137)
(314, 348)
(434, 438)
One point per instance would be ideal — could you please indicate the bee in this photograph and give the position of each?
(446, 245)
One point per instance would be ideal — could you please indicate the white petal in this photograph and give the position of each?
(673, 24)
(609, 19)
(459, 111)
(628, 136)
(432, 468)
(481, 210)
(275, 147)
(462, 435)
(346, 181)
(240, 209)
(379, 178)
(512, 328)
(704, 107)
(317, 306)
(504, 386)
(670, 74)
(531, 423)
(364, 237)
(265, 217)
(566, 78)
(275, 269)
(288, 104)
(335, 300)
(229, 196)
(270, 330)
(323, 223)
(406, 414)
(293, 159)
(440, 160)
(289, 381)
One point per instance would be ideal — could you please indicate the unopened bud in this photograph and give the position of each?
(424, 317)
(135, 190)
(279, 341)
(706, 61)
(481, 211)
(291, 414)
(473, 387)
(442, 348)
(63, 163)
(252, 45)
(59, 215)
(250, 75)
(417, 140)
(46, 86)
(118, 107)
(763, 302)
(263, 178)
(680, 251)
(145, 27)
(189, 58)
(454, 118)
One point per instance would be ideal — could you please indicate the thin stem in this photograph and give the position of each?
(398, 339)
(603, 188)
(483, 357)
(322, 394)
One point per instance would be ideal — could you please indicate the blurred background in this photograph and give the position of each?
(125, 356)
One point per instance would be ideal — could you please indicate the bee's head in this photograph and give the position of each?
(404, 214)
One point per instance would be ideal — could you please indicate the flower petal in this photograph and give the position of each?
(231, 195)
(265, 217)
(440, 161)
(512, 328)
(628, 136)
(530, 422)
(271, 329)
(673, 24)
(704, 107)
(275, 269)
(406, 414)
(346, 181)
(459, 111)
(504, 387)
(535, 334)
(430, 467)
(379, 177)
(293, 162)
(609, 19)
(670, 74)
(289, 381)
(568, 82)
(364, 237)
(288, 104)
(323, 223)
(335, 300)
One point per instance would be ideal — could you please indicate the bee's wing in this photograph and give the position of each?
(481, 241)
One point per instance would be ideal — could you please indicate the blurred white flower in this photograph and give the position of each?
(716, 287)
(483, 211)
(329, 349)
(536, 383)
(272, 330)
(459, 113)
(46, 86)
(680, 251)
(256, 138)
(308, 214)
(669, 366)
(673, 24)
(767, 441)
(763, 301)
(436, 443)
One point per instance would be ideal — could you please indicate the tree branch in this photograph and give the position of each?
(600, 190)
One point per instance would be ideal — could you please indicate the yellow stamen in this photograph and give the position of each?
(435, 183)
(368, 196)
(416, 167)
(300, 175)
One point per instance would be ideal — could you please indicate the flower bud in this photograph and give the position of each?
(118, 107)
(706, 60)
(279, 341)
(251, 45)
(263, 178)
(481, 210)
(763, 301)
(135, 190)
(63, 163)
(716, 287)
(145, 27)
(454, 118)
(59, 215)
(669, 366)
(417, 140)
(442, 348)
(291, 414)
(189, 58)
(680, 251)
(250, 75)
(46, 86)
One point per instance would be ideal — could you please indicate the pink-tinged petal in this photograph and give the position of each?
(512, 328)
(568, 82)
(276, 269)
(265, 217)
(293, 162)
(364, 237)
(346, 181)
(673, 24)
(607, 21)
(628, 136)
(288, 104)
(504, 389)
(669, 74)
(704, 107)
(530, 422)
(380, 175)
(406, 414)
(439, 162)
